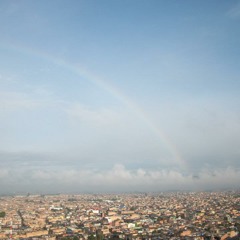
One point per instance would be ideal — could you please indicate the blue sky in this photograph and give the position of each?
(119, 95)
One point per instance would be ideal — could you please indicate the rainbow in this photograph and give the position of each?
(103, 84)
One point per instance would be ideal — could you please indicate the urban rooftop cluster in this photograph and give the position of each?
(175, 215)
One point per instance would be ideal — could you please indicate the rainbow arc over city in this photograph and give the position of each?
(105, 86)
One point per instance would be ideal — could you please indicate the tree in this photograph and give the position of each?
(2, 214)
(99, 235)
(91, 237)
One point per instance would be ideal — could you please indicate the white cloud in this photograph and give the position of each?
(100, 117)
(31, 99)
(14, 101)
(234, 12)
(4, 173)
(121, 179)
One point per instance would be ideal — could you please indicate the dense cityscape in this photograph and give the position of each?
(170, 215)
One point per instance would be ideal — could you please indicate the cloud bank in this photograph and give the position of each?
(116, 179)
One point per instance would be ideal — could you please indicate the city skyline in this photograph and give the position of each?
(107, 96)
